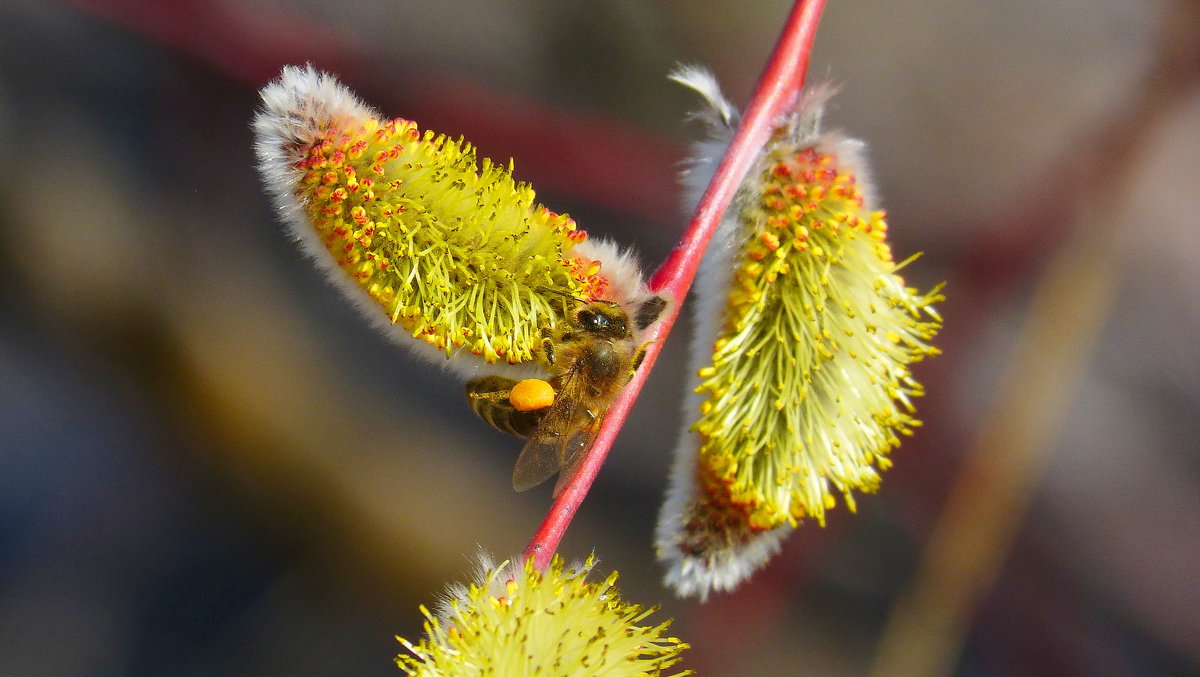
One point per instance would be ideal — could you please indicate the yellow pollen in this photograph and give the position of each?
(531, 394)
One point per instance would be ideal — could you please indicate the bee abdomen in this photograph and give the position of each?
(488, 397)
(506, 419)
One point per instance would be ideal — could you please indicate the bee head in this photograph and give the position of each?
(603, 318)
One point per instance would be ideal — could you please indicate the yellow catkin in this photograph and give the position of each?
(809, 387)
(518, 621)
(452, 249)
(447, 247)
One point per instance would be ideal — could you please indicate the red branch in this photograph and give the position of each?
(627, 169)
(775, 94)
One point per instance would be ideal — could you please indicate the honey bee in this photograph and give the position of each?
(590, 360)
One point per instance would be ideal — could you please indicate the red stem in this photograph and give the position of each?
(775, 94)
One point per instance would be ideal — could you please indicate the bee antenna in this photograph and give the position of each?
(561, 293)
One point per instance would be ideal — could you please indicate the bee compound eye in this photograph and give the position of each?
(588, 320)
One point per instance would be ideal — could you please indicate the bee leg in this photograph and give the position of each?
(637, 359)
(548, 350)
(494, 396)
(490, 388)
(649, 312)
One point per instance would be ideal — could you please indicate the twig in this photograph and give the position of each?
(775, 93)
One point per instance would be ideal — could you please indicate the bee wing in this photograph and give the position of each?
(549, 447)
(575, 448)
(556, 441)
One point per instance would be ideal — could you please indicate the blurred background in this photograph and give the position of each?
(210, 465)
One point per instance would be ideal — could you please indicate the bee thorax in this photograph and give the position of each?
(605, 363)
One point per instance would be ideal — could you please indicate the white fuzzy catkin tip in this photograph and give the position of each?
(297, 108)
(701, 554)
